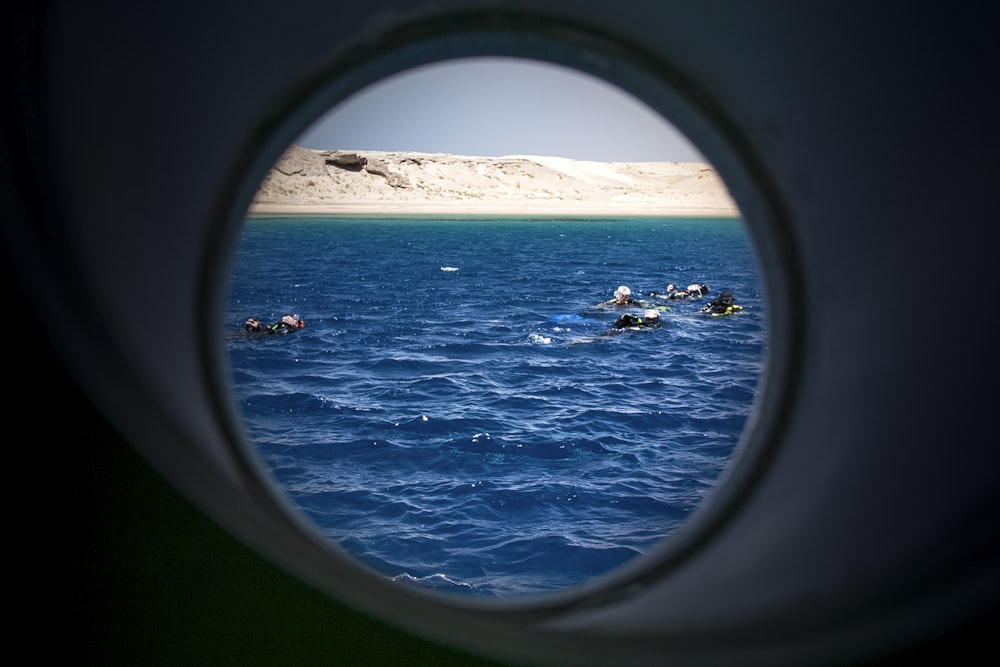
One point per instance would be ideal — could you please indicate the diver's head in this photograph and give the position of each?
(652, 315)
(622, 294)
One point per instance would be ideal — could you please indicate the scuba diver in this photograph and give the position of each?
(695, 291)
(649, 320)
(623, 297)
(286, 324)
(724, 304)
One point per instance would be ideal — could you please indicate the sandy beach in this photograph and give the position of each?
(307, 181)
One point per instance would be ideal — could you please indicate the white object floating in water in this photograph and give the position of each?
(449, 268)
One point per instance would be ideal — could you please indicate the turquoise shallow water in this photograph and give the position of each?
(455, 414)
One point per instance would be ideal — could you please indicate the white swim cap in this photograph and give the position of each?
(623, 291)
(651, 314)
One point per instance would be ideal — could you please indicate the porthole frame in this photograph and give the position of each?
(666, 90)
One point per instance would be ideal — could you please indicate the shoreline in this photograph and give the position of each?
(431, 209)
(306, 182)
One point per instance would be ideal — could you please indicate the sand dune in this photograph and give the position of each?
(358, 181)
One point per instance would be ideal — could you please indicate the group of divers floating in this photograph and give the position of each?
(723, 304)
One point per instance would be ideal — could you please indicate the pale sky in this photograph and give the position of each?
(501, 106)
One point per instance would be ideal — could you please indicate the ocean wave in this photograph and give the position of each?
(479, 432)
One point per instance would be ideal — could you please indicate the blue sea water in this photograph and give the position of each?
(455, 414)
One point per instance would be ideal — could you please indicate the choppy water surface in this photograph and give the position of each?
(455, 415)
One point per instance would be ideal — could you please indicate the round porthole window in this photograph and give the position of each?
(487, 386)
(496, 327)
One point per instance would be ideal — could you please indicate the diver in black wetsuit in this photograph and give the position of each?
(724, 304)
(285, 324)
(649, 320)
(623, 297)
